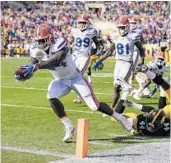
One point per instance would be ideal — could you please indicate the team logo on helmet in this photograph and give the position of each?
(44, 35)
(123, 25)
(83, 22)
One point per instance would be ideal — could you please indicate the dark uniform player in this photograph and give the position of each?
(164, 47)
(154, 122)
(95, 55)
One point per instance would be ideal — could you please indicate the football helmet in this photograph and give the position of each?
(155, 120)
(44, 36)
(123, 25)
(82, 22)
(160, 61)
(133, 23)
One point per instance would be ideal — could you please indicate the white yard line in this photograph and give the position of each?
(37, 152)
(46, 108)
(42, 89)
(98, 75)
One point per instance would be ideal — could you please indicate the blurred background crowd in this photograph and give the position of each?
(20, 19)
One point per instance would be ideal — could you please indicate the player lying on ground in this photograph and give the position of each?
(54, 55)
(155, 122)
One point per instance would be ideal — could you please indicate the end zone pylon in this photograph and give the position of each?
(82, 138)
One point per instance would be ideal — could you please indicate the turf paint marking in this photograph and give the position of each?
(37, 152)
(46, 108)
(41, 89)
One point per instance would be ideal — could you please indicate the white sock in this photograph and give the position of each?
(125, 95)
(67, 123)
(117, 116)
(89, 79)
(138, 106)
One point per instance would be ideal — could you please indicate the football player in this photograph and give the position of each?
(164, 47)
(154, 122)
(94, 56)
(54, 55)
(158, 67)
(81, 41)
(135, 29)
(124, 49)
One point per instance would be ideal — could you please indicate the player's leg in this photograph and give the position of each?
(117, 87)
(123, 77)
(89, 69)
(160, 81)
(143, 82)
(116, 95)
(140, 107)
(83, 88)
(135, 61)
(57, 89)
(82, 63)
(162, 98)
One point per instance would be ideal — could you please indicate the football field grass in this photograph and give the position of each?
(32, 133)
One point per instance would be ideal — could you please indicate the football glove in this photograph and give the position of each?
(139, 64)
(97, 65)
(25, 72)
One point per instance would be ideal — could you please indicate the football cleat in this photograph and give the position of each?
(69, 132)
(125, 123)
(78, 100)
(125, 86)
(136, 96)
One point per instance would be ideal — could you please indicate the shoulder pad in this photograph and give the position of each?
(33, 50)
(92, 31)
(58, 44)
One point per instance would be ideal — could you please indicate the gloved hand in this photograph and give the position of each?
(25, 72)
(140, 64)
(97, 65)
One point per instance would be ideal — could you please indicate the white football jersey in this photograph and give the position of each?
(154, 68)
(66, 69)
(83, 41)
(138, 32)
(124, 46)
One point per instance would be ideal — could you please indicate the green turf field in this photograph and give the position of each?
(31, 132)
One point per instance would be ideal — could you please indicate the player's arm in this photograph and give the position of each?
(109, 52)
(97, 43)
(70, 39)
(33, 60)
(141, 49)
(54, 60)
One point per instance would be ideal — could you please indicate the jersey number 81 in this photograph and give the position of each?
(121, 49)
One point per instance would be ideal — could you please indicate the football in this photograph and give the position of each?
(22, 74)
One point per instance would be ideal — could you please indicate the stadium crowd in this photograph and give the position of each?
(18, 24)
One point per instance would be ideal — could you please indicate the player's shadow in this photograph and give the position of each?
(113, 155)
(128, 139)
